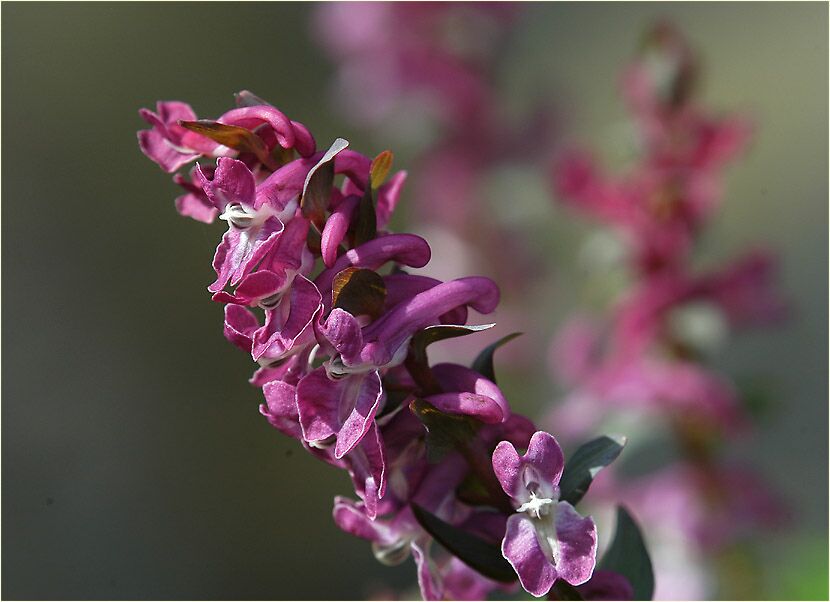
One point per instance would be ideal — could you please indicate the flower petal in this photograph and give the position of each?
(232, 182)
(344, 408)
(278, 339)
(476, 396)
(539, 469)
(240, 325)
(577, 538)
(335, 229)
(280, 408)
(521, 549)
(365, 393)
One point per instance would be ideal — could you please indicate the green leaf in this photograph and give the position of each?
(416, 360)
(317, 187)
(366, 225)
(629, 557)
(440, 332)
(584, 465)
(483, 364)
(473, 551)
(445, 432)
(359, 291)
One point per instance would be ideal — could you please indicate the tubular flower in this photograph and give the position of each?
(546, 539)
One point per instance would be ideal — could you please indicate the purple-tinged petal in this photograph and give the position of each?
(279, 338)
(464, 583)
(488, 402)
(195, 203)
(406, 249)
(253, 288)
(606, 585)
(278, 190)
(232, 182)
(388, 195)
(355, 166)
(290, 370)
(159, 149)
(343, 332)
(304, 142)
(285, 130)
(291, 252)
(577, 549)
(386, 336)
(367, 467)
(240, 325)
(352, 519)
(400, 287)
(344, 408)
(538, 471)
(335, 229)
(428, 582)
(367, 399)
(169, 144)
(521, 549)
(280, 408)
(193, 206)
(480, 407)
(241, 250)
(439, 484)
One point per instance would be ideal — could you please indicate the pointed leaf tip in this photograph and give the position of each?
(483, 364)
(629, 556)
(584, 465)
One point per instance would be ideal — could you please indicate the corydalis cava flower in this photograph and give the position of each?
(341, 349)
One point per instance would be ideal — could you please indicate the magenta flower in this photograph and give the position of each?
(382, 343)
(468, 393)
(255, 214)
(168, 143)
(546, 539)
(344, 409)
(342, 398)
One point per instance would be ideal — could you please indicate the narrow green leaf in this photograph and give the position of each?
(473, 551)
(483, 364)
(359, 291)
(317, 187)
(366, 225)
(629, 557)
(584, 465)
(416, 360)
(440, 332)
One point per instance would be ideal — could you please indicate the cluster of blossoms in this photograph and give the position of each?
(316, 291)
(648, 356)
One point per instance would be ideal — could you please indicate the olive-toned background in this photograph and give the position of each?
(135, 464)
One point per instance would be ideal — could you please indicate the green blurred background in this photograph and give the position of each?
(135, 463)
